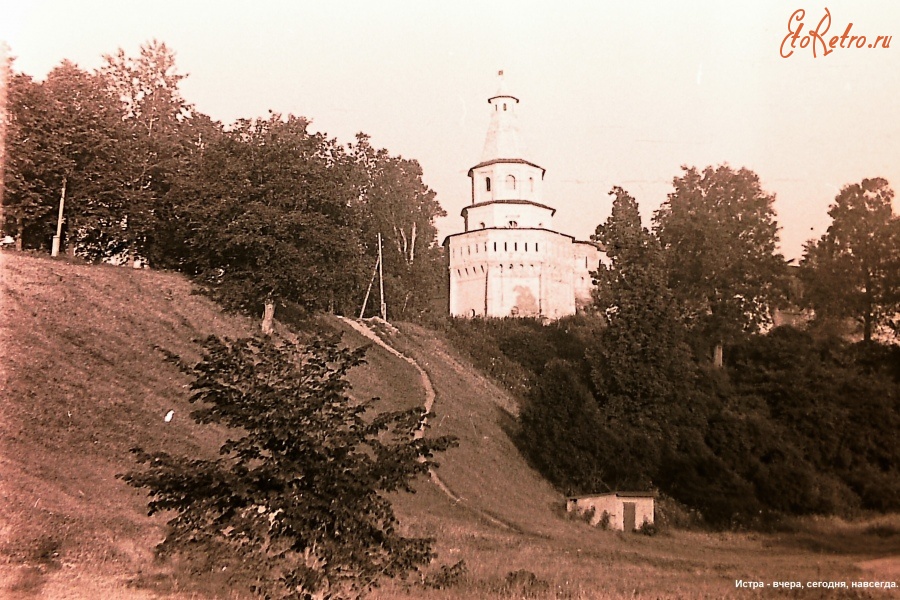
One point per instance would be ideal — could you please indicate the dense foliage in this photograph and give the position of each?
(792, 424)
(640, 362)
(263, 212)
(264, 215)
(853, 271)
(719, 233)
(297, 494)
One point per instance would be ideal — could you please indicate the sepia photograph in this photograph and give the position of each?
(398, 300)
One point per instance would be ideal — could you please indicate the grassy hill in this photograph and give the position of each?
(82, 383)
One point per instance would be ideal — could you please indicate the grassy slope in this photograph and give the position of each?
(82, 383)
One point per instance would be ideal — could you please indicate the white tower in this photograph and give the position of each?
(509, 261)
(503, 173)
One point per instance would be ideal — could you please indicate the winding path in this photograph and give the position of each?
(364, 330)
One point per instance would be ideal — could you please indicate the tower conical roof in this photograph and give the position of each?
(503, 140)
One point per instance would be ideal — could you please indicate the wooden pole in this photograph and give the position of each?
(4, 84)
(54, 250)
(362, 312)
(381, 281)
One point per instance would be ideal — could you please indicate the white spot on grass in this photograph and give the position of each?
(169, 416)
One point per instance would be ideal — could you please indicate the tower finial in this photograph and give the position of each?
(501, 84)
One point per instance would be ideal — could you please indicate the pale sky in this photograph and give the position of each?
(612, 93)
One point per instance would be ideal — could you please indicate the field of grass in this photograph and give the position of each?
(82, 383)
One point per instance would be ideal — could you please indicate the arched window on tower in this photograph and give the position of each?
(487, 183)
(504, 106)
(510, 182)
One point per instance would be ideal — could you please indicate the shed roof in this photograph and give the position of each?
(617, 494)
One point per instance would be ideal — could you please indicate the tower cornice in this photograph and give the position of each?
(527, 202)
(515, 161)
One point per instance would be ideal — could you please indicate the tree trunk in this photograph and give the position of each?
(717, 355)
(412, 245)
(268, 320)
(401, 248)
(868, 317)
(20, 233)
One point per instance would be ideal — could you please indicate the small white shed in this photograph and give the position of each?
(626, 511)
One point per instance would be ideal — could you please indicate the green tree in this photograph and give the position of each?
(393, 200)
(63, 135)
(640, 364)
(156, 137)
(85, 125)
(268, 219)
(32, 173)
(560, 431)
(719, 234)
(298, 495)
(853, 271)
(5, 75)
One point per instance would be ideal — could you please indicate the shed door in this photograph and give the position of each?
(629, 516)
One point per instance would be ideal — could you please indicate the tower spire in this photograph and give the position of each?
(502, 141)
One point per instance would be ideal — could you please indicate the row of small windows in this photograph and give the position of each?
(515, 248)
(510, 183)
(511, 224)
(459, 272)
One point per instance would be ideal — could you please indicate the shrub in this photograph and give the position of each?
(648, 528)
(448, 576)
(297, 495)
(603, 523)
(524, 584)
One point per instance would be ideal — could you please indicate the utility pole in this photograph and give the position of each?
(362, 312)
(54, 250)
(381, 280)
(4, 117)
